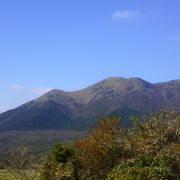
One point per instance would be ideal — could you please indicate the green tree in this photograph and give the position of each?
(58, 164)
(151, 149)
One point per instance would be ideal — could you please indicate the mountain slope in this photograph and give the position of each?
(80, 109)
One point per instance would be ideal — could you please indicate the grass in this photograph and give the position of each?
(5, 175)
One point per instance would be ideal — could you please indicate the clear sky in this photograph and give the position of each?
(70, 44)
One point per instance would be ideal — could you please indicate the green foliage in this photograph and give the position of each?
(60, 153)
(148, 150)
(58, 165)
(163, 166)
(153, 134)
(54, 171)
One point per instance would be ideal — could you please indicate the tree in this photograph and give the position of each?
(151, 149)
(21, 165)
(100, 151)
(58, 164)
(152, 134)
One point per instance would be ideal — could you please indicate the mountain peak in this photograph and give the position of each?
(75, 110)
(131, 79)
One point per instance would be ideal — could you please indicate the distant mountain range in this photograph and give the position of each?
(79, 110)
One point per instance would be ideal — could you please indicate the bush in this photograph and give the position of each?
(163, 166)
(58, 164)
(54, 171)
(149, 150)
(99, 152)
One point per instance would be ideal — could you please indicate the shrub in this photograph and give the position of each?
(163, 166)
(58, 164)
(99, 152)
(151, 149)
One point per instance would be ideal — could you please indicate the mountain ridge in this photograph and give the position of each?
(80, 109)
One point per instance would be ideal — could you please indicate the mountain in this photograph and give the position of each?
(80, 110)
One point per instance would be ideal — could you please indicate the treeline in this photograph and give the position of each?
(148, 150)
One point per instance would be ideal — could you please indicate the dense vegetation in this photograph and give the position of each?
(38, 142)
(148, 150)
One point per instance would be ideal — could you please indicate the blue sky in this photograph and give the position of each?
(70, 44)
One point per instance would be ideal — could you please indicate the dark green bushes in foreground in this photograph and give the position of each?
(58, 164)
(149, 150)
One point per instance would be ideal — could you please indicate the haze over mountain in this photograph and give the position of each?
(80, 110)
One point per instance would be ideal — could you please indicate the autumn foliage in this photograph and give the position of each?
(148, 150)
(100, 151)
